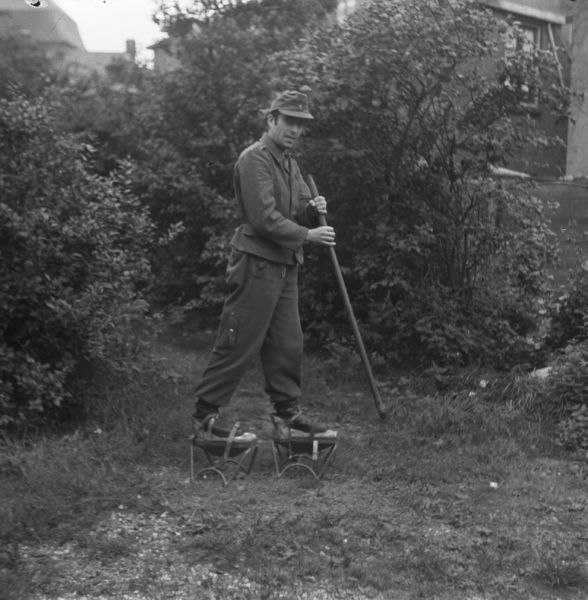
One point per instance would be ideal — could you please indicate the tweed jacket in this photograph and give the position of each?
(273, 201)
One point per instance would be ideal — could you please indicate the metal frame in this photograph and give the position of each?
(225, 459)
(312, 454)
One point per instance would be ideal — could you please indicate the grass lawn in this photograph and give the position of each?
(456, 496)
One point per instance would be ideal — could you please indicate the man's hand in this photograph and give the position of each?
(319, 203)
(324, 235)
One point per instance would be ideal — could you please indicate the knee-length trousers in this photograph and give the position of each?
(260, 317)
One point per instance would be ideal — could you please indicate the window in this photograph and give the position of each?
(531, 39)
(527, 38)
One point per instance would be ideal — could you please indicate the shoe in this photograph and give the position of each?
(208, 429)
(297, 425)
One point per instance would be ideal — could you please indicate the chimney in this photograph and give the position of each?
(131, 49)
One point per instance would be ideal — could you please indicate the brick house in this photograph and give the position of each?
(548, 30)
(564, 24)
(558, 26)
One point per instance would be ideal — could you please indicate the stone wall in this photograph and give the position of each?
(577, 155)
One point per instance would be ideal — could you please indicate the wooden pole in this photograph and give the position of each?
(343, 289)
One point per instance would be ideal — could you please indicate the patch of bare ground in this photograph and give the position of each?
(456, 496)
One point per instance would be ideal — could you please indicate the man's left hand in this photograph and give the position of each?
(320, 204)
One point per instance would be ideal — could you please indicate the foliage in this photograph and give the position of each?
(72, 255)
(122, 122)
(191, 220)
(182, 130)
(569, 320)
(565, 397)
(416, 104)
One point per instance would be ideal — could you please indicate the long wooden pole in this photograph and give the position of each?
(343, 289)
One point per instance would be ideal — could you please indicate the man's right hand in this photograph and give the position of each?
(324, 235)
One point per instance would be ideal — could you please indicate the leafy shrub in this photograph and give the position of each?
(564, 397)
(445, 262)
(130, 132)
(445, 288)
(570, 317)
(189, 266)
(572, 430)
(72, 255)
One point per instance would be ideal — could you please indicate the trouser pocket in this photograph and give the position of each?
(229, 329)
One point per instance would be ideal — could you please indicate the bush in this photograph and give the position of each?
(441, 286)
(415, 103)
(72, 262)
(566, 397)
(189, 266)
(569, 320)
(127, 126)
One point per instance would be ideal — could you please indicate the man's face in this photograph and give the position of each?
(284, 130)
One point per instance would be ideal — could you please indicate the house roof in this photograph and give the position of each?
(551, 11)
(47, 23)
(164, 44)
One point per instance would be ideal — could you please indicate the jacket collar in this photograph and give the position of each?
(276, 152)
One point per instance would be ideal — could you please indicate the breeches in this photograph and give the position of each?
(260, 317)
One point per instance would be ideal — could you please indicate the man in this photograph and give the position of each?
(260, 314)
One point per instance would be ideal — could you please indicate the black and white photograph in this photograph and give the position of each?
(293, 299)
